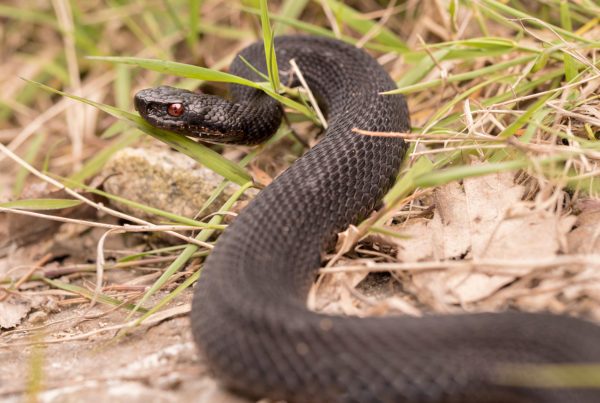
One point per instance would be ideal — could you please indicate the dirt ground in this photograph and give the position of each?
(82, 361)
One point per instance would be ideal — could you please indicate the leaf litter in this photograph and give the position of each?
(510, 247)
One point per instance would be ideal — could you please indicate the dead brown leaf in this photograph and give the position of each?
(12, 310)
(334, 294)
(585, 238)
(483, 218)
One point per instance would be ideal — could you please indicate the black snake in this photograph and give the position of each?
(249, 314)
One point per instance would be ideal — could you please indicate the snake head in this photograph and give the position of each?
(181, 111)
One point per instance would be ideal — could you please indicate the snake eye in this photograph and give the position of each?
(175, 110)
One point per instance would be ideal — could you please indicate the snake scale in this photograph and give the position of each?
(249, 314)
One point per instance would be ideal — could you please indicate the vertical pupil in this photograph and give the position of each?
(175, 109)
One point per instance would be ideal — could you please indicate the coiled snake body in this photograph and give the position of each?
(249, 315)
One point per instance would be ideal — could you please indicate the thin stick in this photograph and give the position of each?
(312, 99)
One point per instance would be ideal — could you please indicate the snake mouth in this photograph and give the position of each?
(139, 104)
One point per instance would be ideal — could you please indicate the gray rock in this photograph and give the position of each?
(166, 180)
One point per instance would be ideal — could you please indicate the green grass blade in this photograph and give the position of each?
(27, 14)
(29, 158)
(496, 5)
(550, 375)
(422, 68)
(525, 117)
(355, 20)
(88, 294)
(190, 249)
(41, 204)
(170, 216)
(193, 29)
(290, 9)
(187, 283)
(269, 46)
(202, 73)
(122, 86)
(443, 176)
(178, 69)
(317, 30)
(463, 76)
(406, 183)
